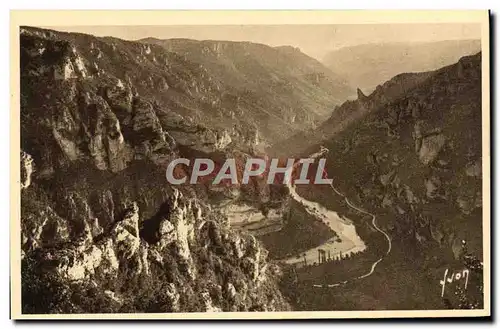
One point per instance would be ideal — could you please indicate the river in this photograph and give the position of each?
(346, 241)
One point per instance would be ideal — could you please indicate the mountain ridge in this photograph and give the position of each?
(415, 162)
(102, 230)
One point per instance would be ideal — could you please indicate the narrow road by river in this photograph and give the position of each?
(374, 224)
(323, 213)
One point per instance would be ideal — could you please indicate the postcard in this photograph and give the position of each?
(250, 164)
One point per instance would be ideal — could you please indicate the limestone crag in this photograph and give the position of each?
(187, 238)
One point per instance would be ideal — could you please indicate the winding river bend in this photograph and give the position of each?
(349, 242)
(346, 241)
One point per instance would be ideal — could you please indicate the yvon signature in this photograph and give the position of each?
(454, 276)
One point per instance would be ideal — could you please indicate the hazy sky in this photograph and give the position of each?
(314, 40)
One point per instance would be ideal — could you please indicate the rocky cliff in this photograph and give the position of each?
(417, 156)
(102, 230)
(413, 159)
(183, 259)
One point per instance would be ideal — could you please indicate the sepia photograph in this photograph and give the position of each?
(250, 164)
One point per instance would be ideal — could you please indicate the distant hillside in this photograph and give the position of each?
(410, 153)
(265, 85)
(416, 162)
(348, 112)
(102, 229)
(365, 66)
(427, 140)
